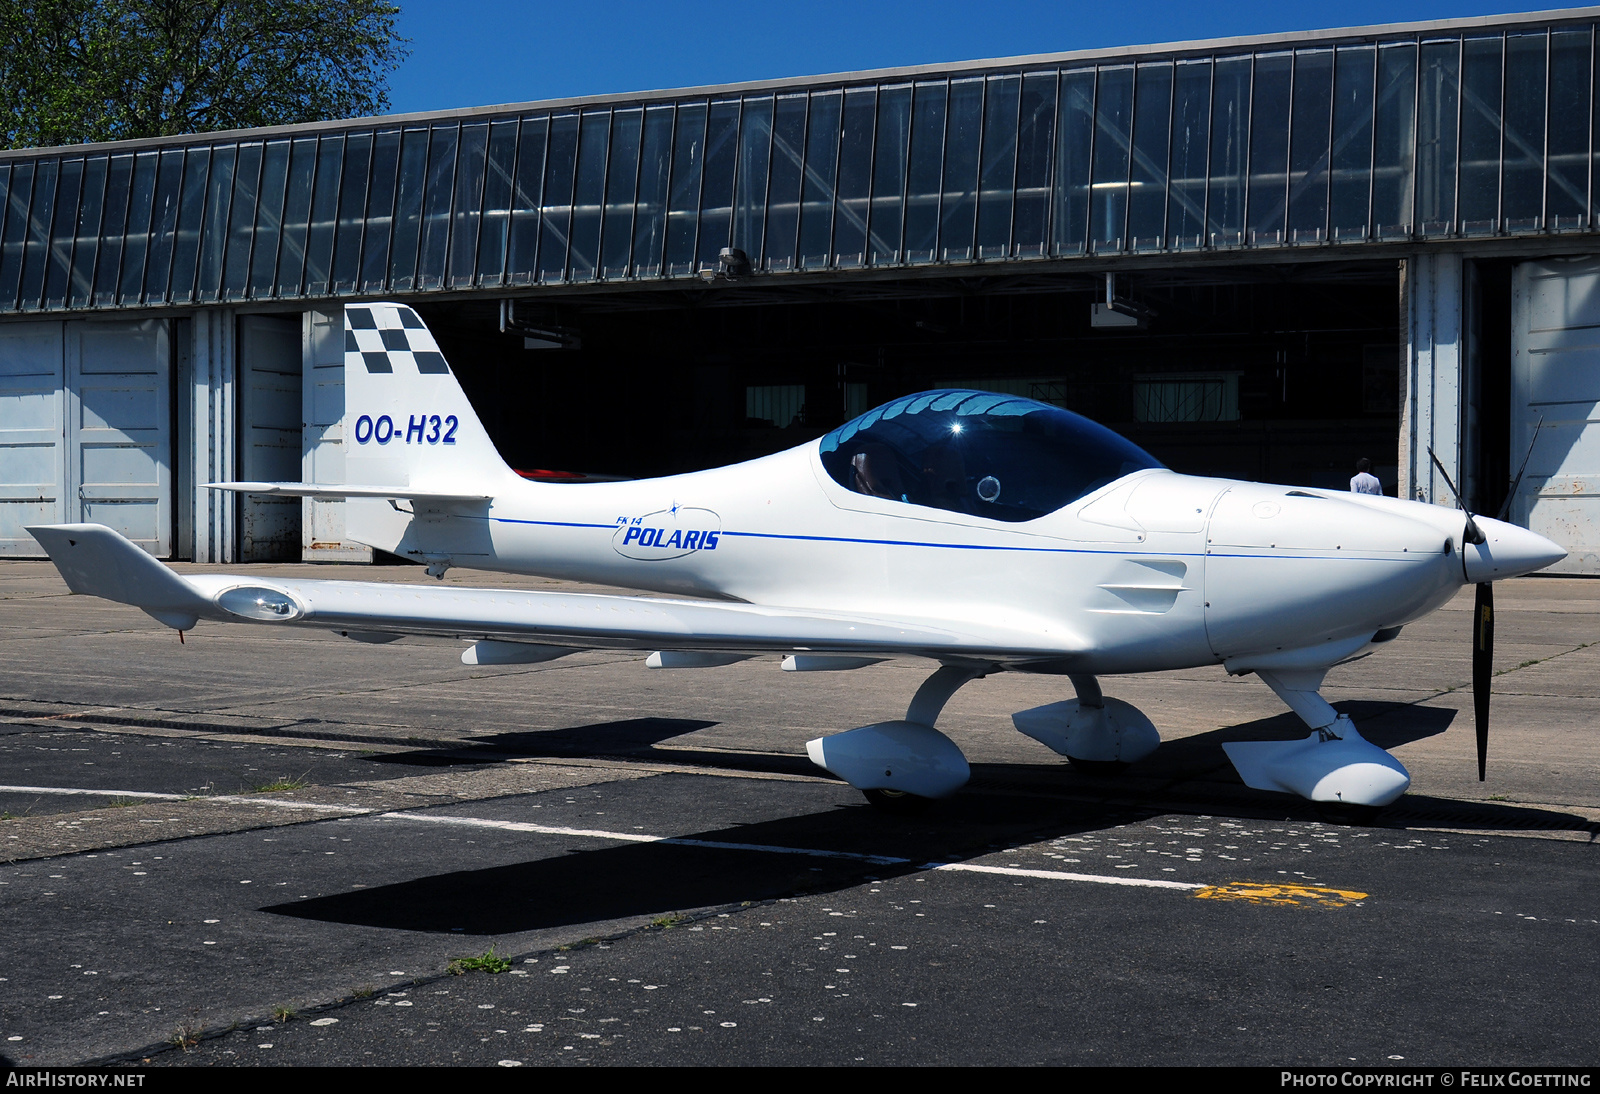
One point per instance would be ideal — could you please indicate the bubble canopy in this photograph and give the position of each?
(977, 452)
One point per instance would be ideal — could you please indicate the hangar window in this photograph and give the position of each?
(1187, 397)
(779, 404)
(978, 452)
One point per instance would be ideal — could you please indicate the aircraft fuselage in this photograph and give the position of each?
(1154, 571)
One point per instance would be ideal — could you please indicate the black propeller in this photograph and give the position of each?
(1483, 606)
(1482, 667)
(1505, 506)
(1482, 623)
(1483, 617)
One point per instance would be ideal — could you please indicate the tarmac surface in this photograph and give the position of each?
(258, 848)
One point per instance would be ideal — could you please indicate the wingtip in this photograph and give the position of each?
(99, 561)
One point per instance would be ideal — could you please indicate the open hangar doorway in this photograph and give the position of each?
(1278, 373)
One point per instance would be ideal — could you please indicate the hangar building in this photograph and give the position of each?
(1256, 257)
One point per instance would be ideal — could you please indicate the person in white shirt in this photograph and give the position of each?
(1365, 482)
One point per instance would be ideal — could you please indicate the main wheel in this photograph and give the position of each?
(897, 802)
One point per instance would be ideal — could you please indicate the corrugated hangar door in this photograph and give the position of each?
(269, 435)
(323, 535)
(33, 465)
(119, 428)
(1555, 374)
(86, 430)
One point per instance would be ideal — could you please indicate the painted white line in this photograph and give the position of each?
(637, 837)
(523, 826)
(623, 837)
(878, 860)
(1061, 875)
(231, 799)
(234, 799)
(93, 793)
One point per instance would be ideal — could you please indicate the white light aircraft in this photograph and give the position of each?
(984, 532)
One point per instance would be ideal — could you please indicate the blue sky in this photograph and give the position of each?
(485, 52)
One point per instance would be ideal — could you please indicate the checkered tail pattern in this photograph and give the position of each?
(389, 338)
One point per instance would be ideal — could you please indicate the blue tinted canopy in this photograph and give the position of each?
(990, 455)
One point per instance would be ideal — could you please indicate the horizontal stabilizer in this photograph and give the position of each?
(334, 491)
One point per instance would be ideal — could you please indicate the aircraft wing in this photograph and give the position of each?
(333, 491)
(97, 561)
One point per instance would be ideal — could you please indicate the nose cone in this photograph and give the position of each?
(1507, 551)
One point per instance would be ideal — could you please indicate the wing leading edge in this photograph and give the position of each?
(97, 561)
(336, 492)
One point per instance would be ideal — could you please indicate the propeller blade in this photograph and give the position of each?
(1461, 502)
(1511, 495)
(1472, 533)
(1482, 668)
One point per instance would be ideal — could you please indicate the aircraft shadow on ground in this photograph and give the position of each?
(628, 736)
(586, 885)
(1384, 724)
(1481, 816)
(1387, 725)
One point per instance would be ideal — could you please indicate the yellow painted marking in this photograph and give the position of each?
(1268, 892)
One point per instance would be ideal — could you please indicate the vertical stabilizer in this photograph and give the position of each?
(407, 423)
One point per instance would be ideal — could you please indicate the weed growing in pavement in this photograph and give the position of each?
(186, 1036)
(489, 962)
(667, 922)
(280, 784)
(281, 1013)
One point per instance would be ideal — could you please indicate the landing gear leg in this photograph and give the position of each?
(902, 766)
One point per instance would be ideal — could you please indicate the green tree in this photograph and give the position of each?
(76, 71)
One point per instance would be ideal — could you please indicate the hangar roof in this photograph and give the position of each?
(1323, 141)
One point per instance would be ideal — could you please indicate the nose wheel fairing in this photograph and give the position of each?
(1334, 764)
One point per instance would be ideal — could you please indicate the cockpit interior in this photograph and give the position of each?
(985, 454)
